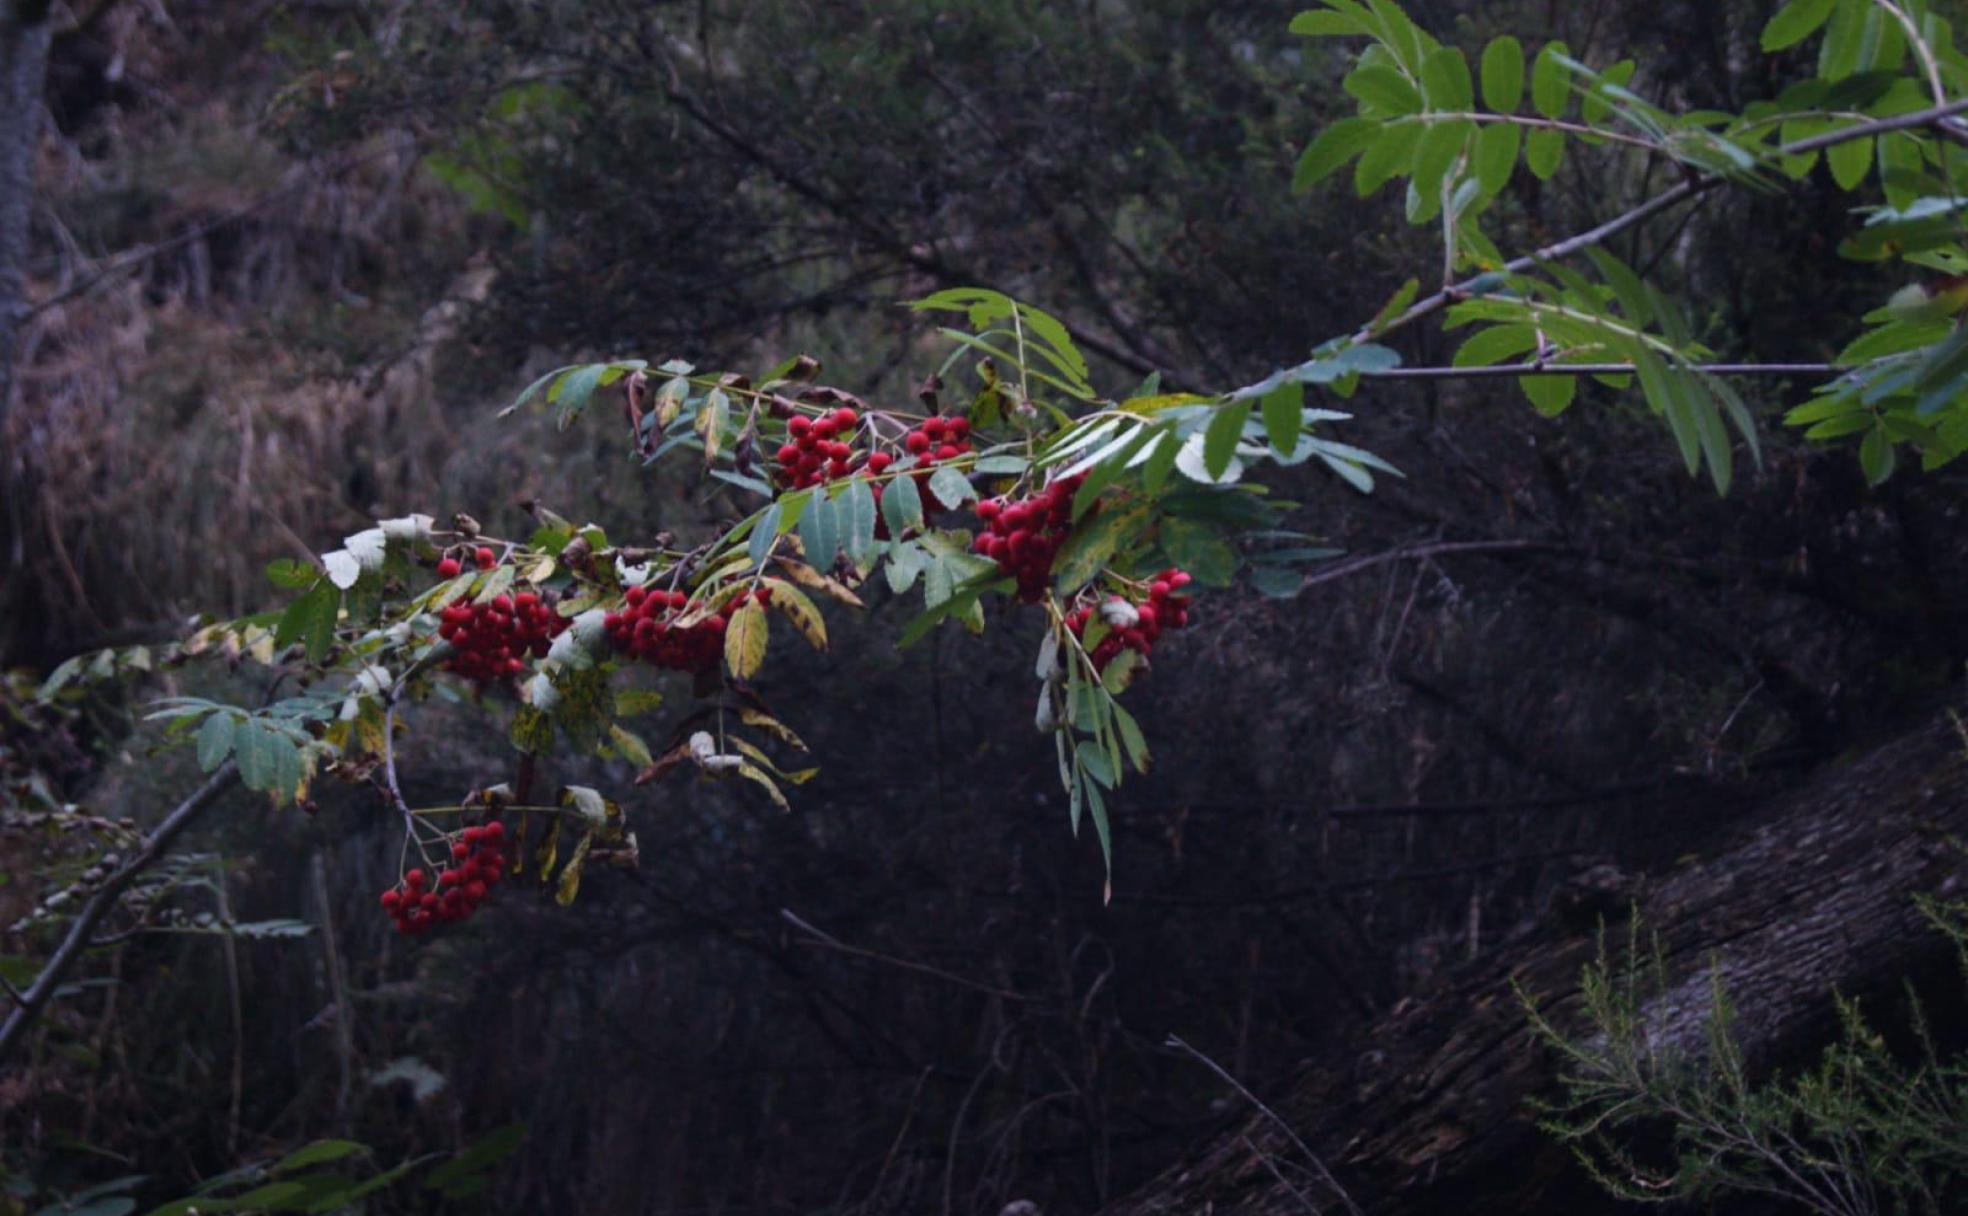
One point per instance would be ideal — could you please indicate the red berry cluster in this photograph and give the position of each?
(1024, 536)
(816, 453)
(646, 628)
(931, 443)
(478, 862)
(1163, 609)
(493, 638)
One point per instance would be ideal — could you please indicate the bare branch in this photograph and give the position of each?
(1325, 1175)
(35, 1000)
(834, 943)
(1409, 553)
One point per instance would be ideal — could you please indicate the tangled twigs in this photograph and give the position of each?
(29, 1005)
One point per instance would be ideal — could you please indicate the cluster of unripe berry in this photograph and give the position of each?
(646, 628)
(815, 453)
(1134, 626)
(1024, 535)
(478, 861)
(493, 639)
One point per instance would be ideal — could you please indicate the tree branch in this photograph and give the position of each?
(1354, 565)
(32, 1003)
(1325, 1175)
(1502, 370)
(1691, 188)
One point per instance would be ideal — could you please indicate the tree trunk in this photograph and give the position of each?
(1429, 1114)
(24, 34)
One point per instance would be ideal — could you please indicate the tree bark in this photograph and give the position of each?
(24, 36)
(1430, 1113)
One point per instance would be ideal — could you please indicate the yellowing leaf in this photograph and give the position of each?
(798, 777)
(744, 641)
(630, 744)
(570, 878)
(496, 584)
(751, 772)
(632, 701)
(669, 400)
(1120, 673)
(807, 576)
(772, 726)
(710, 423)
(796, 608)
(543, 857)
(538, 569)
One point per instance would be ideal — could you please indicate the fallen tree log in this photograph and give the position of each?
(1430, 1112)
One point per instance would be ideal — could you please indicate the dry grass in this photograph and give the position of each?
(228, 359)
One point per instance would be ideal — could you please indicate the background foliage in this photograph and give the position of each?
(365, 229)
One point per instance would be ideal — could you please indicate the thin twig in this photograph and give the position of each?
(833, 943)
(1279, 1174)
(1354, 565)
(1921, 51)
(1325, 1175)
(1522, 120)
(338, 991)
(236, 1007)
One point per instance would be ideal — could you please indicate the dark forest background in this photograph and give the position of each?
(289, 259)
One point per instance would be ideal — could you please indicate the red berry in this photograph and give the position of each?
(845, 418)
(449, 568)
(916, 442)
(485, 558)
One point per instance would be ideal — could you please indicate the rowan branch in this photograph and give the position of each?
(1691, 188)
(32, 1003)
(1501, 370)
